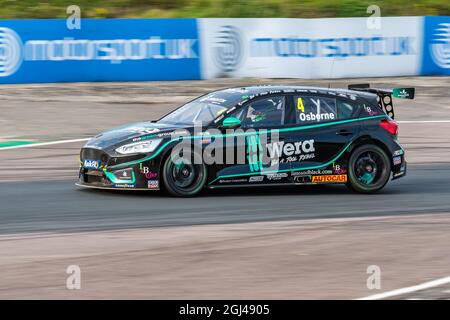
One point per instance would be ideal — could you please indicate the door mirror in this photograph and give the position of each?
(231, 123)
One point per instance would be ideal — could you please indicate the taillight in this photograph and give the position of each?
(390, 126)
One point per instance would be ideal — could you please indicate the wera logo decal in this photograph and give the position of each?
(274, 151)
(281, 148)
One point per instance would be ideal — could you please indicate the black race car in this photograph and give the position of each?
(254, 136)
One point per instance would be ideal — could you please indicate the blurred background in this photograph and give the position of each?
(64, 80)
(20, 9)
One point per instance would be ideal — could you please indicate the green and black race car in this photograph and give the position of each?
(254, 136)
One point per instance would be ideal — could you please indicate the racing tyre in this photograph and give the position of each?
(369, 169)
(184, 175)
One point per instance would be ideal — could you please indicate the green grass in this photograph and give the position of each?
(21, 9)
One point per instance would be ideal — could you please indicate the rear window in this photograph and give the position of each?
(346, 109)
(313, 109)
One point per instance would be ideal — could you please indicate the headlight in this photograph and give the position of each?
(139, 147)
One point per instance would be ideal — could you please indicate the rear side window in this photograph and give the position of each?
(346, 109)
(313, 109)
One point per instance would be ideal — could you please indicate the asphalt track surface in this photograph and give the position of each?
(60, 206)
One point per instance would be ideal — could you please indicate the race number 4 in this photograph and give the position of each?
(300, 105)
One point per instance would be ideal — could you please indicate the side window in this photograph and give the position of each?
(346, 109)
(313, 109)
(265, 112)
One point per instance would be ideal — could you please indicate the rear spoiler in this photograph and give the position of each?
(385, 95)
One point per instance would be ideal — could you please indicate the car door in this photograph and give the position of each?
(248, 145)
(320, 134)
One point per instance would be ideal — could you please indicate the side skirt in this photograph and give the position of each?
(270, 185)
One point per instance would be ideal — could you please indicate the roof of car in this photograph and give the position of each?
(271, 89)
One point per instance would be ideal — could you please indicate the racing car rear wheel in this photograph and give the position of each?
(183, 175)
(369, 169)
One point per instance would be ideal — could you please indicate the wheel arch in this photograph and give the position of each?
(165, 154)
(366, 139)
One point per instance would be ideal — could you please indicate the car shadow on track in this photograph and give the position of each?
(246, 191)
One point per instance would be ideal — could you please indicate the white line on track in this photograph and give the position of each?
(423, 286)
(32, 145)
(424, 121)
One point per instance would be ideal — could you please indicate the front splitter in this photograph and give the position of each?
(111, 188)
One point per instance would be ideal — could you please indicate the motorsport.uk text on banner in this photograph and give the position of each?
(101, 50)
(310, 48)
(190, 49)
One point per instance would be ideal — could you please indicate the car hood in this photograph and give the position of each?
(129, 132)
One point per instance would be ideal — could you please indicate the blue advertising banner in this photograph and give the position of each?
(102, 50)
(436, 46)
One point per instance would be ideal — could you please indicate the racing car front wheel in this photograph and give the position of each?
(369, 169)
(183, 175)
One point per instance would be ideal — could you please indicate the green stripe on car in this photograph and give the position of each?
(299, 128)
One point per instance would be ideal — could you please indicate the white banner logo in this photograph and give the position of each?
(10, 52)
(441, 46)
(228, 50)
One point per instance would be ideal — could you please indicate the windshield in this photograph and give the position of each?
(203, 110)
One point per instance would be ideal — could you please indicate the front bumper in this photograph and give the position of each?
(109, 175)
(136, 177)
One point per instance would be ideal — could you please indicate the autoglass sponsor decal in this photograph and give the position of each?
(330, 178)
(91, 164)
